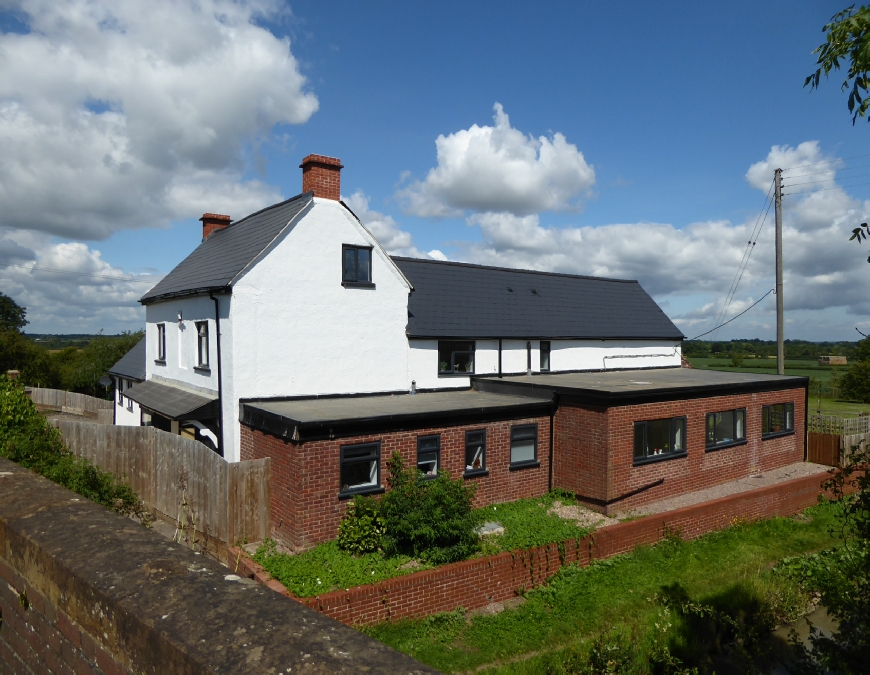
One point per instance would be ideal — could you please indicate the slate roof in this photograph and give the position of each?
(132, 364)
(476, 302)
(172, 402)
(216, 262)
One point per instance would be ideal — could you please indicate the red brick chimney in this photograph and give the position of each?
(322, 175)
(212, 222)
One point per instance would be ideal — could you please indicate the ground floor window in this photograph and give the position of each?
(456, 357)
(475, 451)
(726, 428)
(524, 444)
(659, 438)
(777, 419)
(120, 392)
(429, 455)
(360, 467)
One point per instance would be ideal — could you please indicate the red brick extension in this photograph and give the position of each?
(476, 583)
(306, 509)
(594, 448)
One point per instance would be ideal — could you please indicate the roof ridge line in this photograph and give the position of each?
(263, 210)
(514, 269)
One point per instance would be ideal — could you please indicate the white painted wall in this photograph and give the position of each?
(296, 331)
(129, 414)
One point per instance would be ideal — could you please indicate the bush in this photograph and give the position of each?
(429, 519)
(855, 382)
(362, 530)
(28, 439)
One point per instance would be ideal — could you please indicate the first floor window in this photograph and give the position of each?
(161, 341)
(428, 455)
(120, 392)
(659, 438)
(545, 355)
(777, 419)
(360, 466)
(726, 427)
(475, 450)
(129, 400)
(202, 344)
(357, 264)
(456, 356)
(524, 444)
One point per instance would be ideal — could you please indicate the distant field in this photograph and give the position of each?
(805, 368)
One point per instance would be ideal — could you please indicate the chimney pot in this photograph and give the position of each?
(212, 222)
(322, 176)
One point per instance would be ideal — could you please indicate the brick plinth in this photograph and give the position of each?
(594, 449)
(306, 508)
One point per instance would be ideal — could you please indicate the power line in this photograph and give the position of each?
(81, 274)
(819, 173)
(836, 187)
(734, 317)
(830, 161)
(747, 253)
(826, 180)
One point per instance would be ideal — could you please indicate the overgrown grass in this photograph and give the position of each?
(563, 619)
(326, 567)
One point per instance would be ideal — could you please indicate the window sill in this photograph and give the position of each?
(350, 494)
(777, 434)
(476, 473)
(202, 369)
(357, 284)
(659, 458)
(722, 446)
(160, 362)
(533, 464)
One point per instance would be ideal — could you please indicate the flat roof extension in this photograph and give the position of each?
(626, 387)
(319, 418)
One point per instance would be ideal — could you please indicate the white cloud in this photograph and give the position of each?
(386, 230)
(67, 287)
(131, 114)
(691, 268)
(499, 168)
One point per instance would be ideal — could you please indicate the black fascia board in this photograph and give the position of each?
(518, 336)
(205, 290)
(301, 432)
(609, 399)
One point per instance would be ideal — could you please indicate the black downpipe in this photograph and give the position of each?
(807, 422)
(499, 357)
(220, 417)
(528, 358)
(552, 425)
(115, 401)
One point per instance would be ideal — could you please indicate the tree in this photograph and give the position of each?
(11, 314)
(848, 40)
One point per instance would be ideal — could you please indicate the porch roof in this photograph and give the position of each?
(173, 402)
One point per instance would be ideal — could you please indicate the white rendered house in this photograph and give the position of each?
(300, 300)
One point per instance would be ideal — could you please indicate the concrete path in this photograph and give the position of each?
(789, 472)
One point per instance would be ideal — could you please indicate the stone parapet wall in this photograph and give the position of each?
(84, 590)
(473, 584)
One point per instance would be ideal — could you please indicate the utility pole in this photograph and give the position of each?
(780, 341)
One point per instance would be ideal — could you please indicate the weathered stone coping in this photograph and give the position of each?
(157, 607)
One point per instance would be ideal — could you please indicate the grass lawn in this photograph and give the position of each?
(805, 368)
(840, 408)
(617, 595)
(326, 567)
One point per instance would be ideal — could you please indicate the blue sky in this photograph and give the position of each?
(661, 111)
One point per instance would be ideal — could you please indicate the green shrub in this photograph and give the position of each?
(429, 519)
(362, 530)
(28, 439)
(855, 382)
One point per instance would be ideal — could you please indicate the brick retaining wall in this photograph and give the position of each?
(476, 583)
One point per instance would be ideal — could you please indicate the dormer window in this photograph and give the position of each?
(356, 265)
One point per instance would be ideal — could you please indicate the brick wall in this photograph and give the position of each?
(594, 449)
(306, 508)
(36, 637)
(476, 583)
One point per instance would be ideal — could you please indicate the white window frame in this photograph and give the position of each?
(161, 343)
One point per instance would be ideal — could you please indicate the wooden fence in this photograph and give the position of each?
(181, 479)
(70, 402)
(841, 426)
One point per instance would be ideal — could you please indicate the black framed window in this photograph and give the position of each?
(659, 439)
(726, 428)
(777, 419)
(545, 356)
(524, 445)
(429, 455)
(475, 452)
(361, 467)
(120, 392)
(202, 344)
(456, 357)
(129, 400)
(356, 264)
(161, 342)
